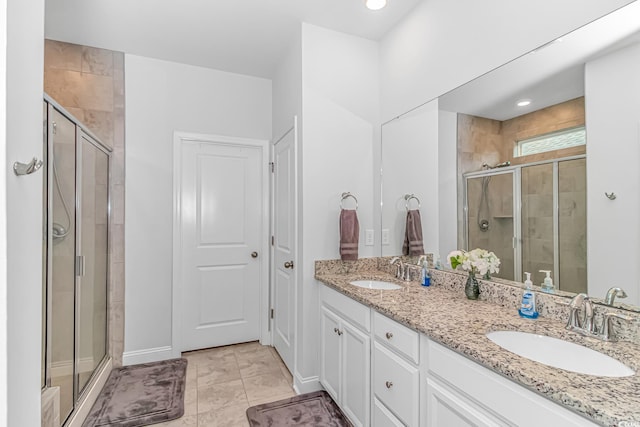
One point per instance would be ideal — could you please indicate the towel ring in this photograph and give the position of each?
(408, 198)
(346, 196)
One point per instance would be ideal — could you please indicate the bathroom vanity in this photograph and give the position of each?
(419, 356)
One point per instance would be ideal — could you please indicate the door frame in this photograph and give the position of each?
(180, 138)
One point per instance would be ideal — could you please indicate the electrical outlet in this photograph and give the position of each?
(368, 237)
(385, 236)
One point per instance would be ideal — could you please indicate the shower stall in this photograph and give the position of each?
(533, 217)
(76, 250)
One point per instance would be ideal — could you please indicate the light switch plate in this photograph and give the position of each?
(368, 237)
(385, 236)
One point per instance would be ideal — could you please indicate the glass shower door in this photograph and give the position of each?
(61, 267)
(93, 180)
(572, 225)
(490, 219)
(538, 244)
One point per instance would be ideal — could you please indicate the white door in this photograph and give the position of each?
(221, 216)
(284, 232)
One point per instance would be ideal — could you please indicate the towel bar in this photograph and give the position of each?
(346, 196)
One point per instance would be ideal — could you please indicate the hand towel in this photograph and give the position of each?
(413, 235)
(349, 235)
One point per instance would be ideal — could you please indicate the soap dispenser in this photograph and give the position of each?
(425, 278)
(547, 284)
(528, 305)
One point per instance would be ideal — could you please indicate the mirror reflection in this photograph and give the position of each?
(539, 143)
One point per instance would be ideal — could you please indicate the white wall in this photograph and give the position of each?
(612, 86)
(340, 88)
(447, 183)
(163, 97)
(287, 89)
(410, 164)
(3, 217)
(442, 44)
(21, 273)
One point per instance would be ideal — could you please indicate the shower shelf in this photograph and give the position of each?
(503, 216)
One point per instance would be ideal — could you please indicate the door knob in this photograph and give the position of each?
(254, 254)
(288, 264)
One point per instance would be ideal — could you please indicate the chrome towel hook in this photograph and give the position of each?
(610, 196)
(27, 168)
(346, 195)
(408, 198)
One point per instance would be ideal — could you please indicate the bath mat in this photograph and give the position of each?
(311, 409)
(140, 395)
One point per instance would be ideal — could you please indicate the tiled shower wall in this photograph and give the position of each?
(89, 83)
(482, 140)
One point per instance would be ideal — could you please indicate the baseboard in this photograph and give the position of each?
(306, 385)
(84, 406)
(147, 355)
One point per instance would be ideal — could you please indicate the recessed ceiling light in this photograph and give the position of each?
(523, 102)
(375, 4)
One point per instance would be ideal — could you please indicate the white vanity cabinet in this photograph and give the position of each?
(396, 373)
(345, 358)
(384, 374)
(461, 392)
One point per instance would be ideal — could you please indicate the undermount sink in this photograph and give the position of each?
(560, 354)
(375, 284)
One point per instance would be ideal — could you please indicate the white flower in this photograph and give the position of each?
(478, 261)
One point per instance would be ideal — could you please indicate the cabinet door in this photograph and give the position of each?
(447, 408)
(382, 417)
(356, 350)
(330, 353)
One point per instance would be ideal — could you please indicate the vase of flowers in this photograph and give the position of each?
(471, 288)
(476, 262)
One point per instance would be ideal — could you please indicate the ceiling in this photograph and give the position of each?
(549, 75)
(240, 36)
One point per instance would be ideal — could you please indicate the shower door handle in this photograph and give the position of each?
(80, 264)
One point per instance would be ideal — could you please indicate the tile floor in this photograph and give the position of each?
(223, 382)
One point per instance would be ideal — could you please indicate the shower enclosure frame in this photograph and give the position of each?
(516, 172)
(81, 132)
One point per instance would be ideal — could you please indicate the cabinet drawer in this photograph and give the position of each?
(396, 384)
(397, 336)
(357, 313)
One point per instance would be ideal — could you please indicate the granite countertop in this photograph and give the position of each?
(451, 319)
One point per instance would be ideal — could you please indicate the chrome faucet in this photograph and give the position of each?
(399, 266)
(606, 332)
(612, 293)
(585, 324)
(422, 258)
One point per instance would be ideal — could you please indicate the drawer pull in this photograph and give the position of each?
(389, 335)
(389, 384)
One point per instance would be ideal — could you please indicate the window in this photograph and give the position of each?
(551, 141)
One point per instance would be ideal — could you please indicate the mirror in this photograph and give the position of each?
(586, 83)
